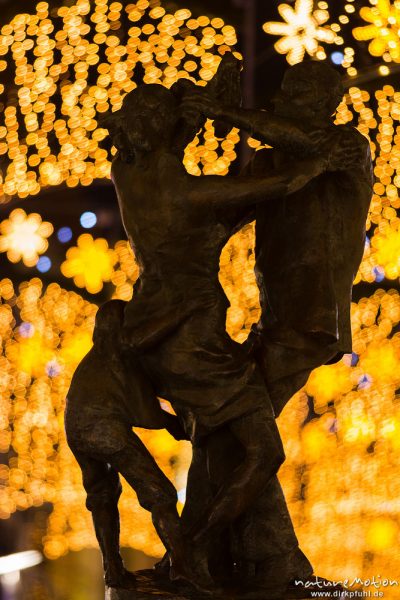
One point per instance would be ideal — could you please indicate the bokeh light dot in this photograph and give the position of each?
(337, 58)
(43, 264)
(64, 234)
(88, 220)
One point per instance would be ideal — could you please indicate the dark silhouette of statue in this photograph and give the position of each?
(178, 225)
(107, 397)
(170, 339)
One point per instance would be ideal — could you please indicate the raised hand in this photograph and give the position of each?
(198, 100)
(346, 152)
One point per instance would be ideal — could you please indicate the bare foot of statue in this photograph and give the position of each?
(163, 565)
(120, 578)
(178, 571)
(199, 578)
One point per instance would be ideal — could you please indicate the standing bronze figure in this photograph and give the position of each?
(308, 250)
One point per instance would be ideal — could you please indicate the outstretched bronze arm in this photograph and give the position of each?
(225, 192)
(268, 128)
(275, 131)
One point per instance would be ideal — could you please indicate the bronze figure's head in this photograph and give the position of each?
(311, 91)
(145, 122)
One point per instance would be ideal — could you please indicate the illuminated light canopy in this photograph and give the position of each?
(24, 237)
(71, 64)
(355, 402)
(383, 29)
(301, 32)
(332, 449)
(90, 263)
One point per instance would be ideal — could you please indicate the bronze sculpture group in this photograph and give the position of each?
(310, 196)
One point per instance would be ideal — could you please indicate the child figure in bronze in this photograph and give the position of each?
(107, 397)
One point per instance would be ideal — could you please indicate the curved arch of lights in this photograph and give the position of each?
(69, 64)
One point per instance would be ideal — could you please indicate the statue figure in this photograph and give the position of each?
(107, 397)
(177, 226)
(170, 341)
(308, 250)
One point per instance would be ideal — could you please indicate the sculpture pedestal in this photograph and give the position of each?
(152, 586)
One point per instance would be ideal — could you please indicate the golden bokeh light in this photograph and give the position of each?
(24, 237)
(353, 435)
(209, 156)
(90, 263)
(383, 29)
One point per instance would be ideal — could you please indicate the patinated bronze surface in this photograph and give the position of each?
(235, 538)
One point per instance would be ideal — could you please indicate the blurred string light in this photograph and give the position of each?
(87, 54)
(379, 119)
(90, 263)
(301, 31)
(126, 271)
(341, 476)
(209, 156)
(24, 236)
(342, 473)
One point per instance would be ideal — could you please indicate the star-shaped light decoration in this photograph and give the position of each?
(383, 29)
(90, 263)
(24, 237)
(301, 32)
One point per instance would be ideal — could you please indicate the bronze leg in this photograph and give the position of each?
(103, 490)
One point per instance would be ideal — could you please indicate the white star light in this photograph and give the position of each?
(301, 31)
(24, 237)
